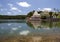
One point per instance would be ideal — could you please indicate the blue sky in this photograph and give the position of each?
(21, 7)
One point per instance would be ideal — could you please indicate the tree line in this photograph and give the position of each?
(12, 17)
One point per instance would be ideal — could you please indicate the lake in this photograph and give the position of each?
(11, 30)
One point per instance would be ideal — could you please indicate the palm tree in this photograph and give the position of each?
(50, 13)
(56, 12)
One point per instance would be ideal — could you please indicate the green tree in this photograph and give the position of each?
(30, 13)
(56, 12)
(40, 12)
(50, 13)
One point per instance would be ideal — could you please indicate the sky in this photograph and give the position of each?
(22, 7)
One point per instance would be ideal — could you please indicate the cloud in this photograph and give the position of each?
(1, 9)
(19, 11)
(11, 5)
(14, 8)
(23, 4)
(12, 12)
(25, 32)
(46, 9)
(38, 9)
(9, 13)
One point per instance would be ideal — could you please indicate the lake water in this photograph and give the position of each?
(23, 28)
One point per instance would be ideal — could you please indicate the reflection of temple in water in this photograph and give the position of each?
(39, 24)
(44, 25)
(36, 24)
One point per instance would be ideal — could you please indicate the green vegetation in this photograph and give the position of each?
(12, 17)
(43, 17)
(30, 13)
(46, 14)
(50, 13)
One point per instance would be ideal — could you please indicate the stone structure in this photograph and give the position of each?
(35, 16)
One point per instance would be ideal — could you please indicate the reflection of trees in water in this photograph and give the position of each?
(12, 21)
(43, 24)
(50, 24)
(29, 24)
(34, 24)
(56, 24)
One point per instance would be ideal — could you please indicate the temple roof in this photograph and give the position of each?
(36, 14)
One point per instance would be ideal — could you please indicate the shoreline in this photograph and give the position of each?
(50, 38)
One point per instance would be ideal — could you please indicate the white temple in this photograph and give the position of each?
(36, 14)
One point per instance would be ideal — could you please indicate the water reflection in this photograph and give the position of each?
(43, 24)
(24, 32)
(12, 21)
(35, 24)
(35, 27)
(34, 30)
(14, 28)
(9, 24)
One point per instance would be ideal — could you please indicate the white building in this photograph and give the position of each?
(35, 16)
